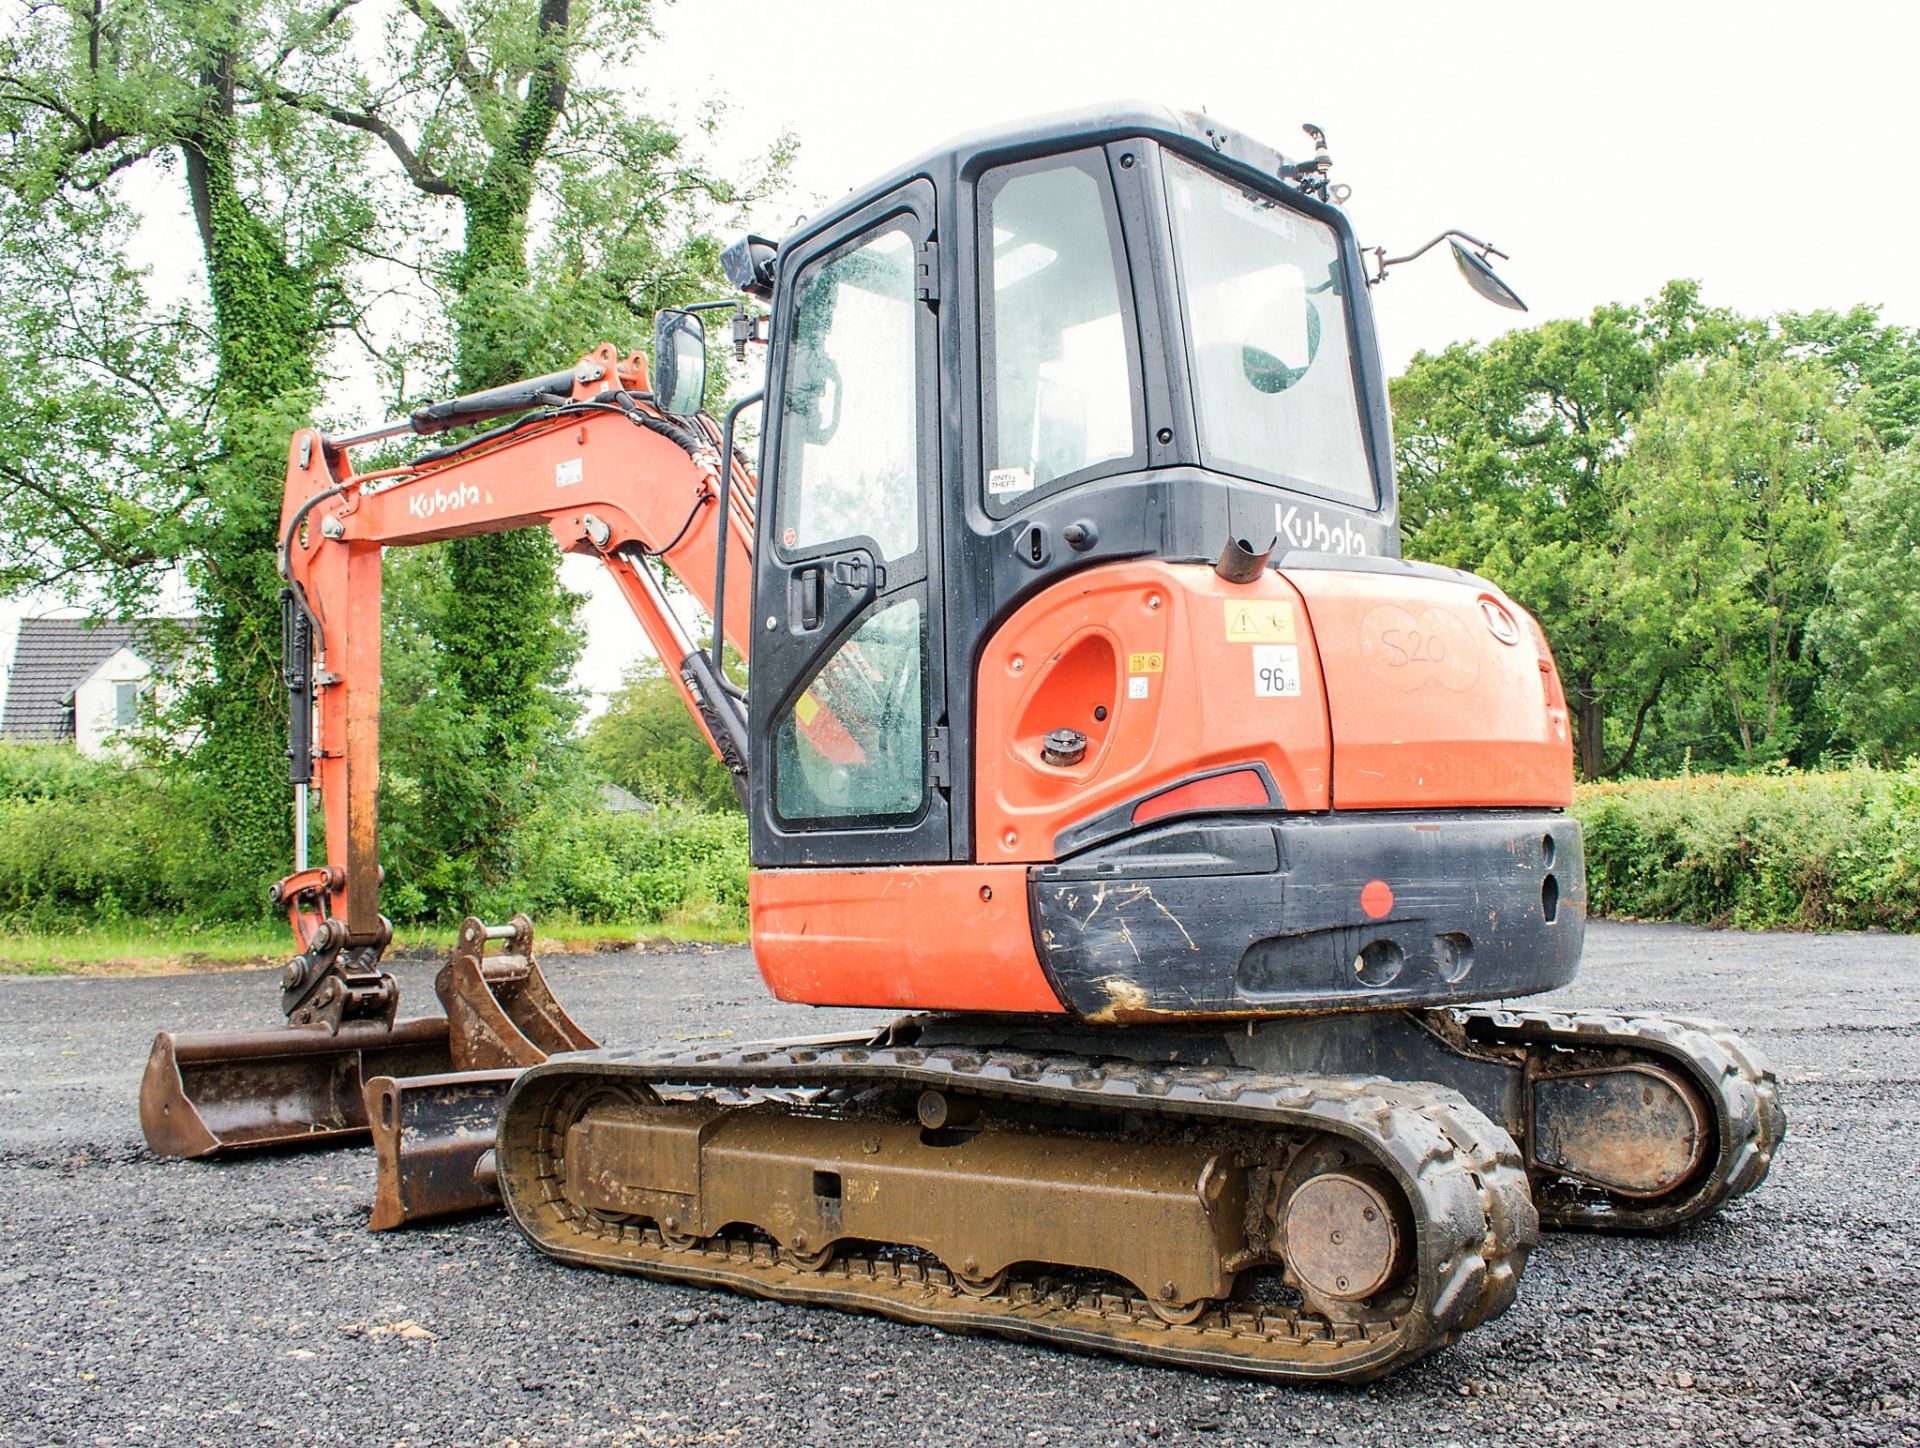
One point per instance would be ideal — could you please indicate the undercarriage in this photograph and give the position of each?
(1178, 1203)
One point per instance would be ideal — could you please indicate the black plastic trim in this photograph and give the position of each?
(1232, 915)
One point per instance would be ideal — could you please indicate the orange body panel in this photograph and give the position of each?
(1440, 692)
(1148, 643)
(925, 937)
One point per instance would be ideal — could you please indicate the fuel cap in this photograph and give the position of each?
(1064, 747)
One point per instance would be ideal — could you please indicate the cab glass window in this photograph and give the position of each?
(849, 453)
(1060, 380)
(854, 743)
(1266, 318)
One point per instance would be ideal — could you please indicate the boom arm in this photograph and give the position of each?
(612, 477)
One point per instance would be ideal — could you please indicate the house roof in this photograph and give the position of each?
(53, 657)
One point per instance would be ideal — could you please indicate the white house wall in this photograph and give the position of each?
(94, 731)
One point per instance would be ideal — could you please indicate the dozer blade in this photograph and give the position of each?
(433, 1134)
(433, 1144)
(212, 1093)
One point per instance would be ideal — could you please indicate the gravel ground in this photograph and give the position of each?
(144, 1301)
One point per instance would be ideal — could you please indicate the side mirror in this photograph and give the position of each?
(1481, 278)
(679, 361)
(1473, 265)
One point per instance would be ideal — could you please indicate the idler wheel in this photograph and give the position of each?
(1340, 1236)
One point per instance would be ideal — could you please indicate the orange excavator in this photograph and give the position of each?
(1095, 725)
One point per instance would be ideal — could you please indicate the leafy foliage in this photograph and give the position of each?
(1868, 629)
(1730, 520)
(319, 149)
(647, 742)
(1838, 851)
(1509, 459)
(1664, 486)
(86, 844)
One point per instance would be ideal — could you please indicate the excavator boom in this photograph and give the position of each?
(612, 477)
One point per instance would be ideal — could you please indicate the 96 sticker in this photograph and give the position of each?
(1276, 671)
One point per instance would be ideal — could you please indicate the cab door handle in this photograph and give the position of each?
(806, 597)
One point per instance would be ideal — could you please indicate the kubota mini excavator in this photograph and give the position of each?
(1185, 852)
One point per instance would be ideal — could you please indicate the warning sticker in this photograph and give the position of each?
(1146, 663)
(1137, 687)
(1276, 671)
(1005, 482)
(1259, 621)
(568, 470)
(806, 706)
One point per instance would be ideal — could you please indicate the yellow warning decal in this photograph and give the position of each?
(1146, 663)
(1259, 621)
(806, 706)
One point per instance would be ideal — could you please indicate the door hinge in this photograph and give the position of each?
(926, 272)
(939, 769)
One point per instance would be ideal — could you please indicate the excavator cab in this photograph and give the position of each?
(1104, 338)
(1076, 438)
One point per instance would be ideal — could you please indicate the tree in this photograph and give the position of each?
(648, 743)
(1728, 492)
(1868, 630)
(487, 107)
(169, 449)
(87, 93)
(1508, 457)
(1878, 364)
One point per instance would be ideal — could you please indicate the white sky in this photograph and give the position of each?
(1766, 149)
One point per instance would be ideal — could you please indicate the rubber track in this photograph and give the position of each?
(1735, 1080)
(1475, 1219)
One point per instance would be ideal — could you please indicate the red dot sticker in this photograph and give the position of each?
(1376, 898)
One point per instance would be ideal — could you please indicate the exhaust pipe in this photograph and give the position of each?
(1241, 562)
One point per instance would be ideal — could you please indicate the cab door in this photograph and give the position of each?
(847, 684)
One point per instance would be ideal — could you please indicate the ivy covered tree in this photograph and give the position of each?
(494, 109)
(88, 93)
(483, 165)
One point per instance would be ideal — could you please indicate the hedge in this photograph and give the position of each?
(85, 844)
(1816, 851)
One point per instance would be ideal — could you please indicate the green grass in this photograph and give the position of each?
(156, 949)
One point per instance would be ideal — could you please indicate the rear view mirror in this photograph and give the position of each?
(679, 361)
(1480, 276)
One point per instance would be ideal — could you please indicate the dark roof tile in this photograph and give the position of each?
(53, 657)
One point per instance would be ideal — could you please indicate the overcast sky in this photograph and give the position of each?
(1768, 150)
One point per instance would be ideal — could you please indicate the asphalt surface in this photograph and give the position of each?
(145, 1301)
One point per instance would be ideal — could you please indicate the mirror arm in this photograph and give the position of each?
(1382, 261)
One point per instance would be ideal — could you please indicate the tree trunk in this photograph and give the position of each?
(1589, 730)
(265, 332)
(503, 622)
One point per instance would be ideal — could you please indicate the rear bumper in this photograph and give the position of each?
(1304, 913)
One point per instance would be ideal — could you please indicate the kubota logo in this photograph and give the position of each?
(426, 505)
(1312, 532)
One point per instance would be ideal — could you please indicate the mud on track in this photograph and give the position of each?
(172, 1303)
